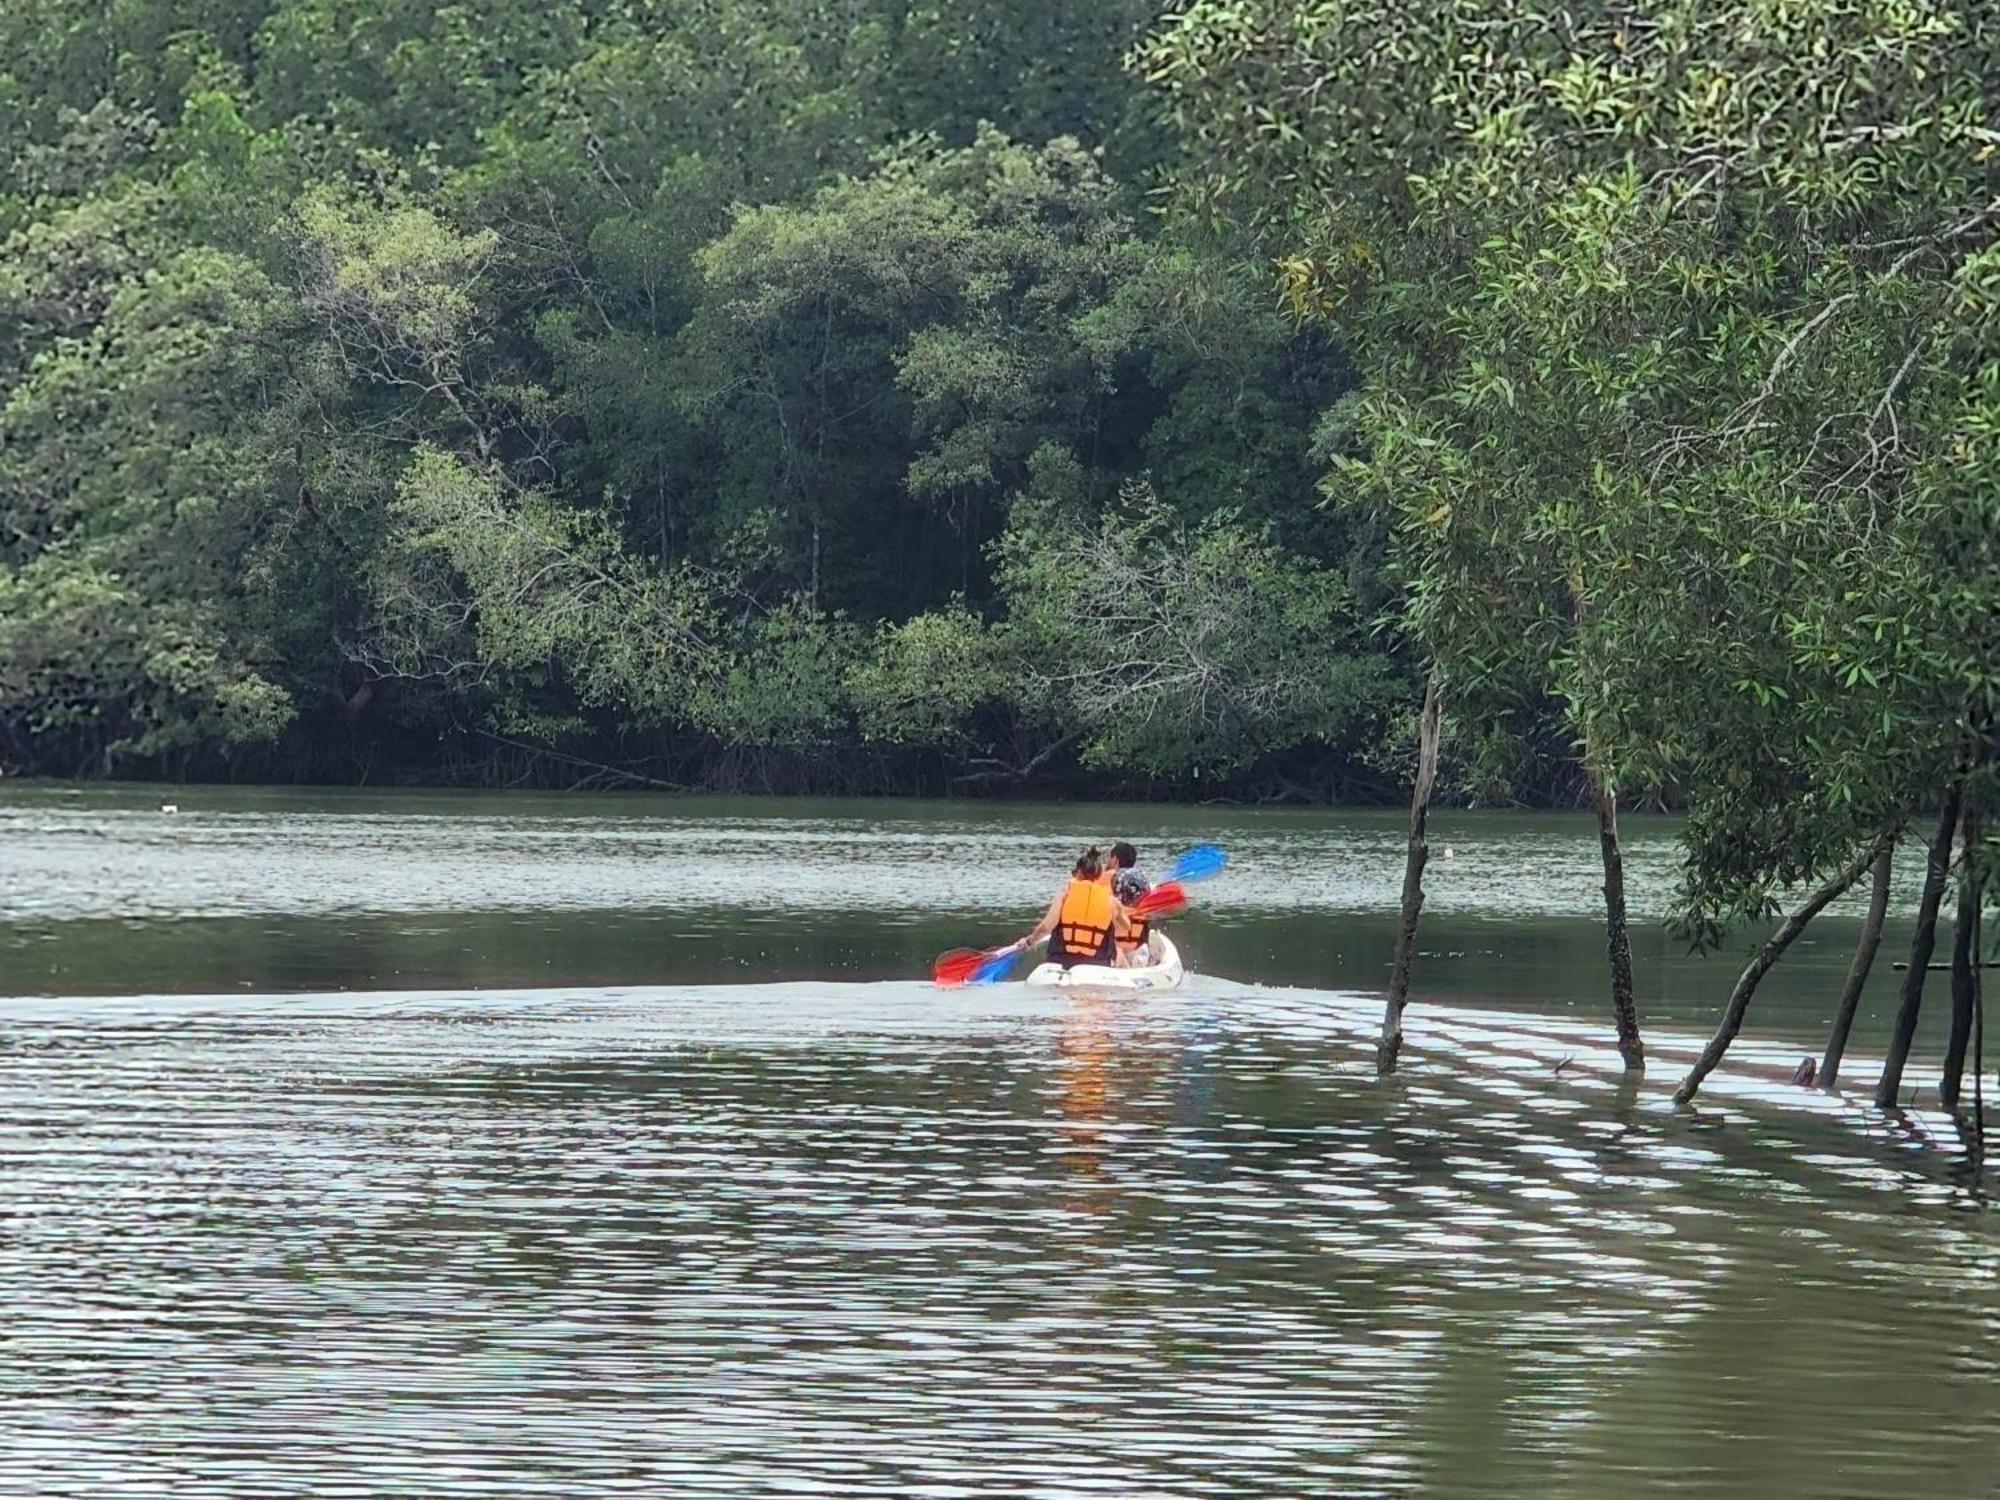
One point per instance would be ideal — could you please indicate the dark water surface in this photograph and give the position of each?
(269, 890)
(619, 1228)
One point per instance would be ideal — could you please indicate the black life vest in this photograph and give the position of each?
(1139, 929)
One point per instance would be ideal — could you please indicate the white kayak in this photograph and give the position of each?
(1163, 973)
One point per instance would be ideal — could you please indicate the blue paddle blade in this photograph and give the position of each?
(1198, 863)
(995, 969)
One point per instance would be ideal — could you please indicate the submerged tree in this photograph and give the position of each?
(1416, 858)
(1865, 949)
(1965, 955)
(1677, 334)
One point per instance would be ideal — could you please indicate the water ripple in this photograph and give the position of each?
(869, 1240)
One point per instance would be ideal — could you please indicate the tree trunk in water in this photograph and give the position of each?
(1890, 1089)
(1619, 939)
(1978, 1069)
(1391, 1044)
(1754, 972)
(1864, 960)
(1964, 957)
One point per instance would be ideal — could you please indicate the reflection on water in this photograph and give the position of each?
(264, 890)
(875, 1240)
(746, 1238)
(101, 851)
(105, 852)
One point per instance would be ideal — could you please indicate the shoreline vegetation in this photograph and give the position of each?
(1267, 400)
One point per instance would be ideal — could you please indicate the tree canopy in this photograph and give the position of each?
(667, 385)
(1679, 377)
(898, 396)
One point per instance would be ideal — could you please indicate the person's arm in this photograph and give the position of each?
(1121, 928)
(1047, 925)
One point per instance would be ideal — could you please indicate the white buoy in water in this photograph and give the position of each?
(1447, 852)
(170, 807)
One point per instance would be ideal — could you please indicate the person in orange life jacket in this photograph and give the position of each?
(1084, 920)
(1127, 886)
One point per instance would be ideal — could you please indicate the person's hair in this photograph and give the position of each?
(1124, 855)
(1090, 866)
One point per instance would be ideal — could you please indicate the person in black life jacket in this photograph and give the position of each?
(1084, 921)
(1127, 886)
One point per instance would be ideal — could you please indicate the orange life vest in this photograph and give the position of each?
(1083, 924)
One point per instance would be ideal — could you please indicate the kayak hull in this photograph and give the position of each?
(1163, 973)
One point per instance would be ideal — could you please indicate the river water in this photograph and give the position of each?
(476, 1146)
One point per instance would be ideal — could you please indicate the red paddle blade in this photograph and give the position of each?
(1160, 900)
(958, 965)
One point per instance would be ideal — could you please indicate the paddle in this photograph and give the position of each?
(975, 965)
(959, 965)
(1198, 863)
(998, 966)
(1169, 896)
(1161, 900)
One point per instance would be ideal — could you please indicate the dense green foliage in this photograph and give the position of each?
(779, 392)
(846, 393)
(1680, 356)
(1683, 384)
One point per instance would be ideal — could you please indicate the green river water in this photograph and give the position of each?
(373, 1144)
